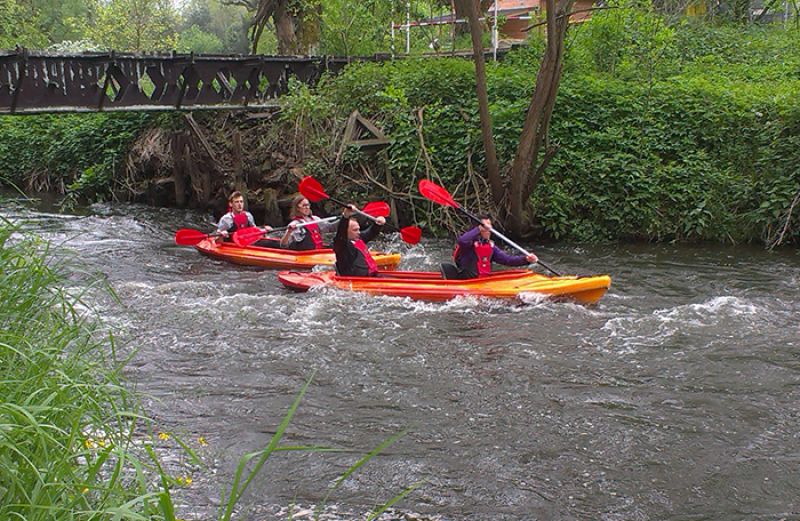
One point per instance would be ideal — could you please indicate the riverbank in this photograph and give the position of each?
(665, 133)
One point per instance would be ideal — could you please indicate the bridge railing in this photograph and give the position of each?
(36, 81)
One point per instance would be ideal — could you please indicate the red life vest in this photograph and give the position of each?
(313, 231)
(240, 221)
(371, 264)
(484, 251)
(483, 256)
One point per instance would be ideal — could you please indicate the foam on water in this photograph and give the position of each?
(714, 308)
(631, 332)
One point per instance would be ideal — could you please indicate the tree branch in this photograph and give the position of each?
(544, 22)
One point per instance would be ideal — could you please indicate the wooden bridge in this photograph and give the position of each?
(35, 81)
(39, 81)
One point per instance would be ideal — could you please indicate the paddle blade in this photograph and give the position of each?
(377, 209)
(247, 236)
(436, 193)
(189, 237)
(411, 234)
(312, 190)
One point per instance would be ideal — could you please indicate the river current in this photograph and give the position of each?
(677, 397)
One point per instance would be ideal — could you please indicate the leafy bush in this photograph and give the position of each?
(77, 153)
(682, 151)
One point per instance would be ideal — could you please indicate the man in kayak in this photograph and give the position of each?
(236, 218)
(308, 237)
(475, 253)
(352, 256)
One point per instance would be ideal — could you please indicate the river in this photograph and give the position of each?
(675, 398)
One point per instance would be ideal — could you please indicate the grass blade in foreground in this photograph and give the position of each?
(236, 492)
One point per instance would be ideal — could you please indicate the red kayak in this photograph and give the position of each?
(282, 258)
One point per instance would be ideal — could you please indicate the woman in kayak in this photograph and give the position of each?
(475, 253)
(308, 237)
(352, 256)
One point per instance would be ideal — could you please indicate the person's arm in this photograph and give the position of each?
(250, 220)
(225, 224)
(373, 230)
(501, 257)
(467, 240)
(290, 229)
(341, 247)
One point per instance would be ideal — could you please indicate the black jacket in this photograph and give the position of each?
(350, 261)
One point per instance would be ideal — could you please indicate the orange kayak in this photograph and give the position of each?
(281, 258)
(423, 285)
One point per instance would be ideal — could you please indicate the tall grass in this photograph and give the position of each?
(66, 423)
(73, 440)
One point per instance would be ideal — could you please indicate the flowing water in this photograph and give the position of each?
(676, 397)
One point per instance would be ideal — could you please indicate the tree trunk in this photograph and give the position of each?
(492, 166)
(525, 173)
(295, 31)
(285, 30)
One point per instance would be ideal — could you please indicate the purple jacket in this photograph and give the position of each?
(468, 261)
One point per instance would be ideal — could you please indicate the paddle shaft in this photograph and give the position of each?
(368, 216)
(507, 240)
(307, 223)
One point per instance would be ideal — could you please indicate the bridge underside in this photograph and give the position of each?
(35, 82)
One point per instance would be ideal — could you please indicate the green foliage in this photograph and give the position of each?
(69, 427)
(197, 40)
(19, 27)
(133, 25)
(652, 146)
(355, 28)
(80, 152)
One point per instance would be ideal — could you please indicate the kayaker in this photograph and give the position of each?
(307, 237)
(475, 253)
(352, 255)
(236, 218)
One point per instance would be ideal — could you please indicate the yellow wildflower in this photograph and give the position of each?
(163, 436)
(202, 441)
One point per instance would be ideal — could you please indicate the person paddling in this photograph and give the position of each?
(352, 255)
(308, 237)
(475, 253)
(236, 218)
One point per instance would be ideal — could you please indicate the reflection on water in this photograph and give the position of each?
(674, 398)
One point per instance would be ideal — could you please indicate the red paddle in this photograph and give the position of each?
(377, 209)
(247, 236)
(439, 195)
(190, 237)
(313, 191)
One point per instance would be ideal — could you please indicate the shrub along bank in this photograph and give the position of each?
(665, 132)
(690, 134)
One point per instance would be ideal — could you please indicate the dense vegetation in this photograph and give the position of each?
(682, 132)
